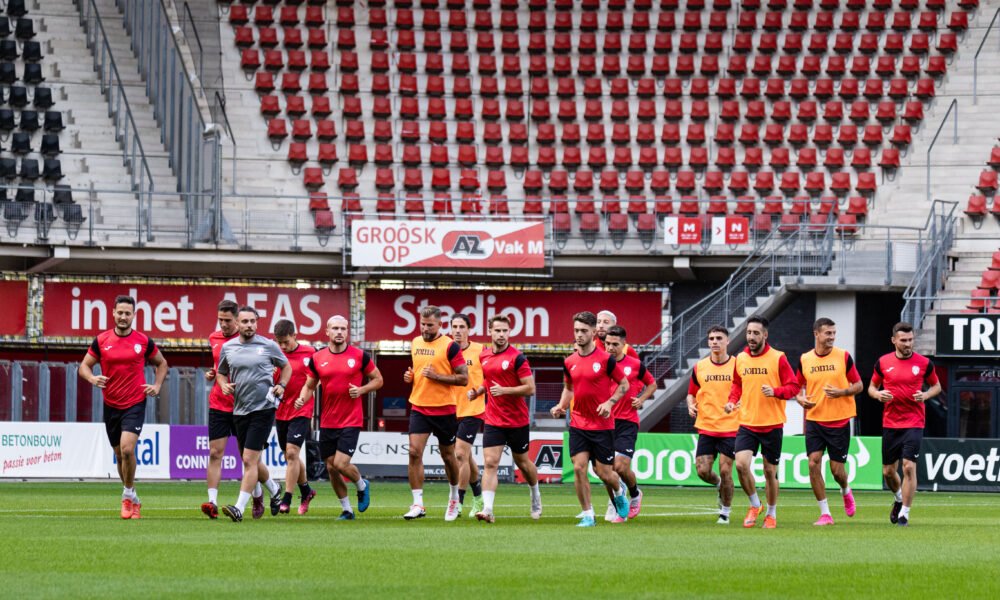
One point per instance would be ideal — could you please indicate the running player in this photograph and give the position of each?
(605, 320)
(123, 353)
(593, 383)
(246, 370)
(902, 376)
(642, 385)
(220, 409)
(347, 374)
(469, 411)
(292, 422)
(829, 383)
(438, 365)
(508, 383)
(762, 382)
(708, 393)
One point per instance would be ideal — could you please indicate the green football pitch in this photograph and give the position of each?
(66, 540)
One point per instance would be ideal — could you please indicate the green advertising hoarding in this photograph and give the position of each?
(668, 459)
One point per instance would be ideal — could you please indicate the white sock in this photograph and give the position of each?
(898, 495)
(452, 492)
(418, 497)
(128, 492)
(362, 486)
(621, 489)
(845, 491)
(726, 510)
(772, 511)
(824, 507)
(755, 500)
(488, 498)
(272, 487)
(345, 503)
(257, 491)
(241, 503)
(905, 511)
(589, 512)
(719, 484)
(213, 495)
(536, 492)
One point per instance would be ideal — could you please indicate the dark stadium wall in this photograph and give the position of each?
(877, 313)
(791, 330)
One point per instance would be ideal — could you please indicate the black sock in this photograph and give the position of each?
(287, 498)
(461, 496)
(304, 489)
(477, 489)
(633, 492)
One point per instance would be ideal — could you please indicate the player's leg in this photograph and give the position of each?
(838, 448)
(451, 471)
(912, 439)
(519, 440)
(771, 452)
(491, 463)
(704, 464)
(213, 472)
(818, 485)
(892, 453)
(746, 447)
(468, 470)
(625, 436)
(580, 482)
(725, 487)
(602, 447)
(130, 425)
(415, 471)
(293, 469)
(344, 469)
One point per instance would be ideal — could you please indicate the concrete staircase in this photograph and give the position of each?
(91, 157)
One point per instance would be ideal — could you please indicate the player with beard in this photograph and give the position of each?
(469, 410)
(606, 320)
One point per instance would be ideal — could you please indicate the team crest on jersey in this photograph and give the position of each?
(597, 367)
(628, 371)
(260, 351)
(505, 364)
(138, 349)
(916, 370)
(351, 363)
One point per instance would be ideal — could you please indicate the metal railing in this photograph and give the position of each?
(952, 105)
(188, 26)
(932, 269)
(799, 253)
(126, 131)
(192, 146)
(975, 59)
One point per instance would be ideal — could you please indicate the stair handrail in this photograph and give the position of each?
(119, 109)
(952, 105)
(927, 280)
(975, 59)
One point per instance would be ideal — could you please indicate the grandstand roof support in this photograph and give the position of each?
(59, 255)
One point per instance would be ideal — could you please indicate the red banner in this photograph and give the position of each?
(448, 244)
(730, 231)
(14, 316)
(185, 312)
(682, 230)
(537, 317)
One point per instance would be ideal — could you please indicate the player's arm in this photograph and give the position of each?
(527, 388)
(615, 372)
(802, 398)
(692, 395)
(373, 381)
(789, 387)
(90, 359)
(930, 377)
(286, 373)
(308, 389)
(222, 375)
(646, 394)
(459, 371)
(156, 359)
(873, 388)
(565, 398)
(735, 392)
(853, 379)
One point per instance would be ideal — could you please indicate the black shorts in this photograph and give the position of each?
(901, 443)
(515, 438)
(117, 420)
(600, 444)
(220, 424)
(252, 430)
(442, 426)
(835, 440)
(626, 433)
(294, 431)
(769, 444)
(340, 439)
(711, 445)
(468, 429)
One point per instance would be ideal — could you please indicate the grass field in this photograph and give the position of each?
(66, 540)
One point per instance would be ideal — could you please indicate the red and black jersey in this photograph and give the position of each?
(505, 369)
(629, 350)
(638, 378)
(123, 362)
(217, 399)
(336, 373)
(904, 377)
(299, 360)
(594, 378)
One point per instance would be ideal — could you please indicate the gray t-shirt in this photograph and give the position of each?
(250, 367)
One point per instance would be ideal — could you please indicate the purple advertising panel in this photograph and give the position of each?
(189, 454)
